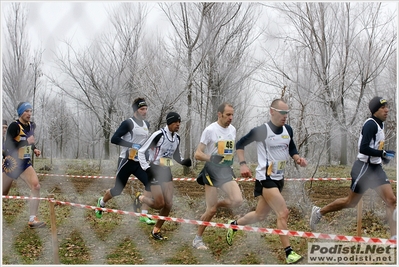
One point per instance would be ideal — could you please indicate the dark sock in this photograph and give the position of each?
(287, 251)
(234, 223)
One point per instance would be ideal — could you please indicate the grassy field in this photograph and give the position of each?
(121, 239)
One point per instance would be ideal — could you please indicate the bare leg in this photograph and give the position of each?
(7, 183)
(277, 203)
(157, 201)
(107, 196)
(30, 177)
(262, 209)
(167, 189)
(342, 203)
(147, 194)
(233, 197)
(211, 199)
(386, 193)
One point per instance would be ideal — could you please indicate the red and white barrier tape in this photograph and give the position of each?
(22, 197)
(194, 179)
(358, 239)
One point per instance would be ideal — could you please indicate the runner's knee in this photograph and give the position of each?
(236, 202)
(283, 214)
(36, 186)
(391, 201)
(211, 210)
(159, 203)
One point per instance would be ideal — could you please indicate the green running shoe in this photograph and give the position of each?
(293, 257)
(99, 213)
(231, 233)
(147, 220)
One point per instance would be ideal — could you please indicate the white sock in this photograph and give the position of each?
(144, 211)
(102, 203)
(32, 218)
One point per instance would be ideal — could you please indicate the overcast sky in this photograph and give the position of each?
(50, 22)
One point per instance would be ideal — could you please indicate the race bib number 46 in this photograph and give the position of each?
(226, 148)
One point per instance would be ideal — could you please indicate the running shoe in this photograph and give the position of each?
(99, 213)
(36, 223)
(199, 244)
(231, 233)
(293, 257)
(157, 236)
(147, 220)
(137, 203)
(314, 217)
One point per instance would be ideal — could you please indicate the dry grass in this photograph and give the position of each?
(122, 239)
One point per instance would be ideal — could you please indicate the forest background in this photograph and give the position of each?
(326, 59)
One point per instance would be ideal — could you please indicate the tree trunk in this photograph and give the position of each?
(344, 147)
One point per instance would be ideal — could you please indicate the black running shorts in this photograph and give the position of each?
(268, 183)
(365, 175)
(215, 174)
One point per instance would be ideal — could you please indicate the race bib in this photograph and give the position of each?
(25, 152)
(381, 146)
(226, 149)
(276, 167)
(133, 152)
(166, 162)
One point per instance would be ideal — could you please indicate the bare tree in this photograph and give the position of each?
(60, 127)
(346, 47)
(102, 76)
(212, 41)
(19, 82)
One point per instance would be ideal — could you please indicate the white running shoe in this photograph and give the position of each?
(314, 217)
(199, 244)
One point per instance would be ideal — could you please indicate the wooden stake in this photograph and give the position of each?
(56, 257)
(359, 217)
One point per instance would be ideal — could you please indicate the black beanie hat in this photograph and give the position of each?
(376, 103)
(172, 117)
(5, 122)
(138, 103)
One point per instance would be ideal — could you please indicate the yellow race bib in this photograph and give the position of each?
(133, 152)
(226, 149)
(166, 162)
(25, 152)
(381, 146)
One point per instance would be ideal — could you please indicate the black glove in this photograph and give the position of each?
(186, 162)
(216, 158)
